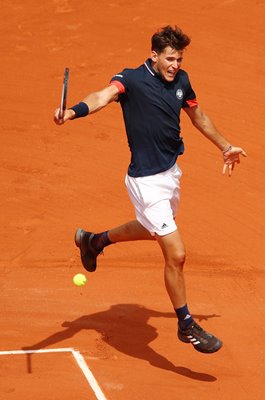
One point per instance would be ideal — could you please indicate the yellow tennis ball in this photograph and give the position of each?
(79, 280)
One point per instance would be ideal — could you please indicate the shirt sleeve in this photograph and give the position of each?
(118, 85)
(121, 81)
(190, 99)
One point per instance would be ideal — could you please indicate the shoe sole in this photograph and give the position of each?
(213, 350)
(78, 236)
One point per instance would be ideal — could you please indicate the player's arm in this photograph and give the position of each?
(91, 104)
(206, 126)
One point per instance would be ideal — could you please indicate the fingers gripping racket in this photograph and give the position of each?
(64, 94)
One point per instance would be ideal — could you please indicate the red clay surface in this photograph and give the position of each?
(55, 179)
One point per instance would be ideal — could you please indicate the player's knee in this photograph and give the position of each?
(177, 260)
(180, 259)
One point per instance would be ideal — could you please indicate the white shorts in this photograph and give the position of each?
(156, 200)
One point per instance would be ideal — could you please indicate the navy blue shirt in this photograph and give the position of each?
(151, 109)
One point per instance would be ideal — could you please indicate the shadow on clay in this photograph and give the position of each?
(125, 327)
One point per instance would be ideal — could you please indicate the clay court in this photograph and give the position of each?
(120, 329)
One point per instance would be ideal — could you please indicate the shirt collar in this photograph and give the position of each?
(150, 69)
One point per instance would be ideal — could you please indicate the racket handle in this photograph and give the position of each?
(64, 94)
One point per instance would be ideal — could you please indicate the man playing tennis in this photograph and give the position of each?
(151, 97)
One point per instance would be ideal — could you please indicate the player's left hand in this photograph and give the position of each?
(231, 158)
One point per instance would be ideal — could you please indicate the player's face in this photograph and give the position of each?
(167, 63)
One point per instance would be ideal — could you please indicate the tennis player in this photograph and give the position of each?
(152, 97)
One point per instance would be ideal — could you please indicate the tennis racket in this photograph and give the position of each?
(64, 94)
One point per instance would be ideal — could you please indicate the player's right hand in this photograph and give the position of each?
(68, 114)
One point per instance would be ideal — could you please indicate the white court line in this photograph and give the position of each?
(10, 352)
(88, 374)
(79, 359)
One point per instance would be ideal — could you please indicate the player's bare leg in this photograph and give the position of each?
(129, 231)
(91, 245)
(188, 330)
(173, 250)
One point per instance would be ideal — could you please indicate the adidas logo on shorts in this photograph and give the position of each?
(164, 226)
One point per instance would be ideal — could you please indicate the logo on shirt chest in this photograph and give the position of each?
(179, 94)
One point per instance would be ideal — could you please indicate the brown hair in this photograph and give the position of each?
(172, 37)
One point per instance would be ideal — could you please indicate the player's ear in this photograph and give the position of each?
(154, 55)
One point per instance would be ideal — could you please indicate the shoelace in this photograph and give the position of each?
(195, 329)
